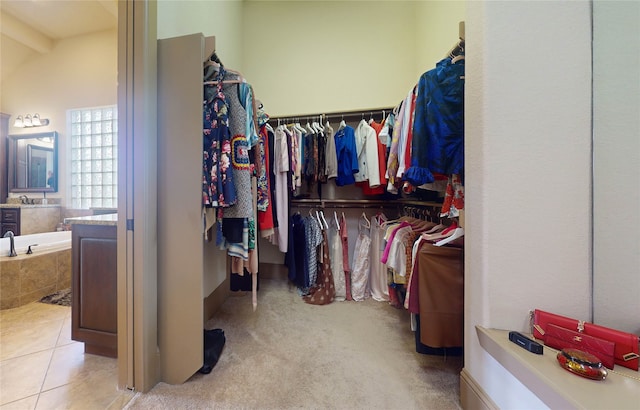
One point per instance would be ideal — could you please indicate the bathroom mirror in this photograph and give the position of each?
(32, 161)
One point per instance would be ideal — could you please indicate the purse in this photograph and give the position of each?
(560, 338)
(626, 344)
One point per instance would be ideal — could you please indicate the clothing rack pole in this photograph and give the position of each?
(346, 115)
(360, 203)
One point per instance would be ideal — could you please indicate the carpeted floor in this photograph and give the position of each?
(288, 354)
(61, 297)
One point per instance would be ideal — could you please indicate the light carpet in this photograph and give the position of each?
(291, 355)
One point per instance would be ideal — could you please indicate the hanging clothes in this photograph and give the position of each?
(281, 171)
(323, 291)
(218, 185)
(382, 163)
(441, 295)
(438, 130)
(265, 201)
(322, 156)
(361, 262)
(344, 237)
(378, 276)
(313, 239)
(238, 219)
(337, 264)
(367, 149)
(331, 159)
(296, 253)
(347, 155)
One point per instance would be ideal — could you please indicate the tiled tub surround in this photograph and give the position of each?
(27, 278)
(37, 218)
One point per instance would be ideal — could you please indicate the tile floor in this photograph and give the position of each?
(42, 368)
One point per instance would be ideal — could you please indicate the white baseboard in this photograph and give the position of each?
(472, 396)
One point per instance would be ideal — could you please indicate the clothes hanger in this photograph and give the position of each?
(457, 58)
(319, 220)
(457, 233)
(342, 124)
(326, 225)
(335, 215)
(364, 216)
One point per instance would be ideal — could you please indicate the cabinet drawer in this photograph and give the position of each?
(10, 215)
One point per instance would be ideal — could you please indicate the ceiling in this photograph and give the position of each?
(29, 27)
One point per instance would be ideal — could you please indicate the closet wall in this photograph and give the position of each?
(308, 57)
(528, 175)
(222, 19)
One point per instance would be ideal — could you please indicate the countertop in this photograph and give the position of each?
(107, 219)
(29, 206)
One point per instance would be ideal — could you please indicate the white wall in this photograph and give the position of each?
(78, 72)
(436, 30)
(313, 56)
(220, 18)
(616, 247)
(528, 158)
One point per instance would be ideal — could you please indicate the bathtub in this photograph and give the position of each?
(28, 278)
(47, 241)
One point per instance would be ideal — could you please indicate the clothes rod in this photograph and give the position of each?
(346, 115)
(360, 203)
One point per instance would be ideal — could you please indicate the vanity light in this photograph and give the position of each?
(30, 121)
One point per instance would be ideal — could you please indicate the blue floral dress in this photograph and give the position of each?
(218, 189)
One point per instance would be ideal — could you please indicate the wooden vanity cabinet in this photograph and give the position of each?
(94, 288)
(10, 221)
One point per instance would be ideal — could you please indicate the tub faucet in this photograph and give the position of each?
(9, 234)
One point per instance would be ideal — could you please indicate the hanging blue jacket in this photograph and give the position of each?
(347, 156)
(438, 127)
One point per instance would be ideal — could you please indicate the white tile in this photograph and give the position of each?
(95, 390)
(23, 376)
(28, 403)
(20, 341)
(64, 338)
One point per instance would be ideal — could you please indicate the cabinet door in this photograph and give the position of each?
(94, 288)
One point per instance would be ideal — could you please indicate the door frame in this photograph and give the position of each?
(138, 357)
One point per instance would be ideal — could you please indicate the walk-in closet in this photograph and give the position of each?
(364, 203)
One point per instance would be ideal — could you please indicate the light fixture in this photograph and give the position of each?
(29, 121)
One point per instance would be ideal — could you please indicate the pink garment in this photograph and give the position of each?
(385, 254)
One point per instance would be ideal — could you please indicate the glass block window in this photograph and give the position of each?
(94, 162)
